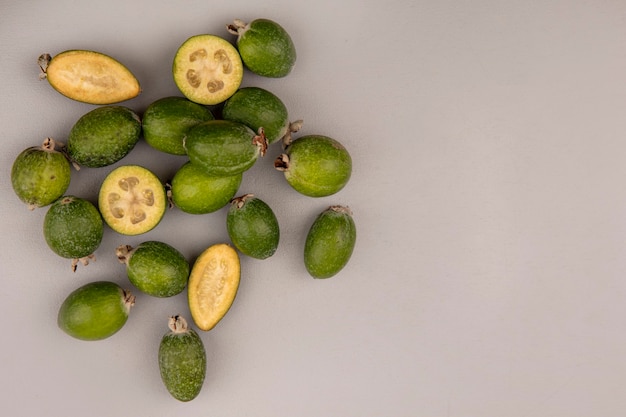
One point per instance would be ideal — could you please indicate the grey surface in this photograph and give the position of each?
(489, 274)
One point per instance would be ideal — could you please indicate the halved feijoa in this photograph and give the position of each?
(207, 69)
(253, 227)
(40, 174)
(330, 242)
(182, 360)
(194, 191)
(213, 285)
(223, 147)
(315, 165)
(103, 136)
(265, 47)
(258, 108)
(73, 229)
(155, 268)
(95, 311)
(89, 76)
(132, 200)
(166, 121)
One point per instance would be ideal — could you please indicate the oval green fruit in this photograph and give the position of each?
(40, 175)
(182, 360)
(103, 136)
(265, 47)
(194, 191)
(155, 268)
(224, 148)
(330, 242)
(166, 121)
(258, 108)
(253, 227)
(73, 229)
(95, 311)
(315, 165)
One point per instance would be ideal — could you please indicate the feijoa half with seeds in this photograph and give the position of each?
(73, 229)
(330, 242)
(132, 200)
(89, 76)
(182, 360)
(40, 174)
(95, 311)
(155, 268)
(253, 227)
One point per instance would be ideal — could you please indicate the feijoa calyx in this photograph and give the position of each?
(330, 242)
(253, 227)
(40, 174)
(95, 311)
(182, 360)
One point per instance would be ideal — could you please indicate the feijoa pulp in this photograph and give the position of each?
(330, 242)
(155, 268)
(182, 360)
(253, 227)
(95, 311)
(40, 174)
(103, 136)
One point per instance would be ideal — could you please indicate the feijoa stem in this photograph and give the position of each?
(241, 200)
(43, 61)
(123, 253)
(341, 209)
(281, 163)
(84, 260)
(237, 27)
(129, 299)
(260, 140)
(293, 128)
(178, 324)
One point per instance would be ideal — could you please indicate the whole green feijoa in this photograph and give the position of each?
(265, 47)
(194, 191)
(103, 136)
(166, 121)
(40, 174)
(73, 229)
(95, 311)
(258, 108)
(155, 268)
(182, 360)
(253, 227)
(223, 148)
(315, 165)
(330, 242)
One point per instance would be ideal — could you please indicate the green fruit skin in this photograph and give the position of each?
(222, 147)
(266, 49)
(196, 192)
(39, 177)
(256, 107)
(319, 166)
(329, 243)
(158, 269)
(73, 227)
(95, 311)
(166, 121)
(182, 364)
(253, 228)
(103, 136)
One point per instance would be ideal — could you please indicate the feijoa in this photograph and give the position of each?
(103, 136)
(265, 47)
(89, 76)
(253, 227)
(213, 285)
(40, 174)
(73, 229)
(182, 360)
(207, 69)
(224, 148)
(132, 200)
(166, 121)
(315, 165)
(155, 268)
(258, 108)
(95, 311)
(330, 242)
(194, 191)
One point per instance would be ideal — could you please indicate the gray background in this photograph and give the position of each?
(488, 140)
